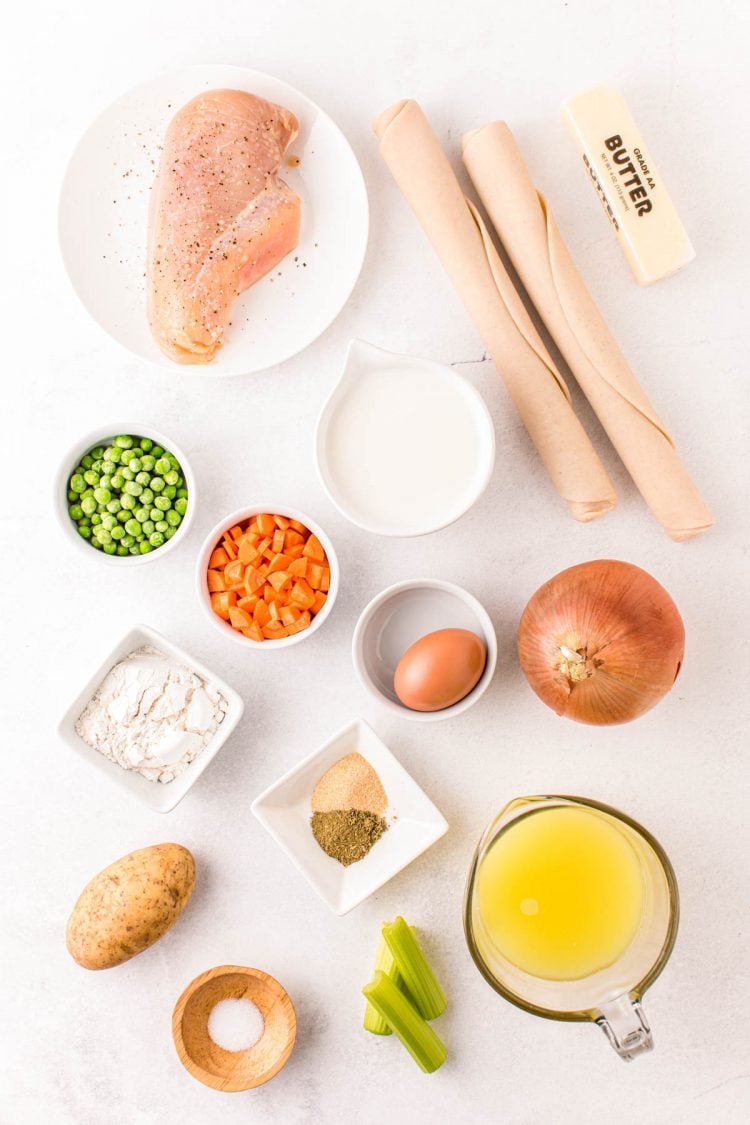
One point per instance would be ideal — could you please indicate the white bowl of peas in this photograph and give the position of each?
(128, 496)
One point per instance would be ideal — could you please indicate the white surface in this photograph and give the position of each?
(397, 618)
(404, 445)
(414, 822)
(104, 222)
(159, 798)
(95, 1048)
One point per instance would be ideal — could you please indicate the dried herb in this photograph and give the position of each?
(347, 834)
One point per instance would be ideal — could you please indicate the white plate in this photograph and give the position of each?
(414, 822)
(103, 223)
(160, 798)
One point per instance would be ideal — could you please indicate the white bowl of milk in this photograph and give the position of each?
(404, 446)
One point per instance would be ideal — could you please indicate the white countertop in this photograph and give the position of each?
(84, 1048)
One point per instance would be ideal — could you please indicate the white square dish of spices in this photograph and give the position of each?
(349, 817)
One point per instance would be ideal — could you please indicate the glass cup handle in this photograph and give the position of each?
(624, 1023)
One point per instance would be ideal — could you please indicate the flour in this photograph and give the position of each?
(152, 715)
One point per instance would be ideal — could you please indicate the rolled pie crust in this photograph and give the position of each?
(530, 236)
(452, 224)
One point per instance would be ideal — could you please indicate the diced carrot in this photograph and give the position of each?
(219, 559)
(278, 562)
(222, 603)
(248, 552)
(238, 618)
(266, 524)
(215, 581)
(253, 581)
(278, 541)
(263, 545)
(292, 538)
(269, 594)
(261, 614)
(275, 610)
(279, 580)
(274, 631)
(254, 633)
(299, 625)
(314, 549)
(236, 532)
(248, 604)
(252, 527)
(320, 601)
(294, 552)
(281, 521)
(298, 567)
(229, 547)
(315, 575)
(301, 594)
(298, 526)
(289, 614)
(234, 572)
(325, 585)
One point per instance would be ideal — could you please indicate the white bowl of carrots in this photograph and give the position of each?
(267, 577)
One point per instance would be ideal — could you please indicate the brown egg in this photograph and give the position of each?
(439, 669)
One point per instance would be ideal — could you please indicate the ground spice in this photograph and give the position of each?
(350, 783)
(347, 834)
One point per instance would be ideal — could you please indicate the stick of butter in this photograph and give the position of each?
(628, 184)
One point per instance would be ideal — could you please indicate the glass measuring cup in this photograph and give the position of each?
(611, 995)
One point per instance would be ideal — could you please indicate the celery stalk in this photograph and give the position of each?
(400, 1014)
(383, 961)
(428, 996)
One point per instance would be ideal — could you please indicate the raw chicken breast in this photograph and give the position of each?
(220, 217)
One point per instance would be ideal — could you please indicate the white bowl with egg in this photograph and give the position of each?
(404, 446)
(405, 613)
(161, 797)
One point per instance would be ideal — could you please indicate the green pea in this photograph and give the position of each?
(97, 452)
(117, 532)
(162, 525)
(103, 535)
(148, 526)
(162, 503)
(96, 519)
(113, 505)
(95, 543)
(157, 451)
(134, 464)
(105, 481)
(172, 477)
(156, 539)
(113, 455)
(127, 473)
(98, 466)
(142, 478)
(133, 550)
(127, 540)
(72, 496)
(87, 461)
(109, 522)
(157, 484)
(146, 444)
(180, 505)
(77, 483)
(123, 515)
(155, 514)
(133, 527)
(118, 480)
(88, 505)
(102, 495)
(75, 511)
(129, 502)
(168, 534)
(182, 493)
(110, 548)
(148, 462)
(91, 477)
(84, 532)
(133, 487)
(123, 441)
(172, 517)
(162, 466)
(145, 547)
(121, 550)
(142, 514)
(170, 491)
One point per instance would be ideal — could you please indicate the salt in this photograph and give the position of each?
(235, 1024)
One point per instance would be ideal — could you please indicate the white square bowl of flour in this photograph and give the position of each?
(151, 718)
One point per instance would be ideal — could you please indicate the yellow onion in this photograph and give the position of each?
(601, 642)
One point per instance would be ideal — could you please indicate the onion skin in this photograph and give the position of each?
(601, 642)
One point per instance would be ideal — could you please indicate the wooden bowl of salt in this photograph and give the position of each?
(234, 1070)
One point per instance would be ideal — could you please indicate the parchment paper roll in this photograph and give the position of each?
(528, 232)
(422, 171)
